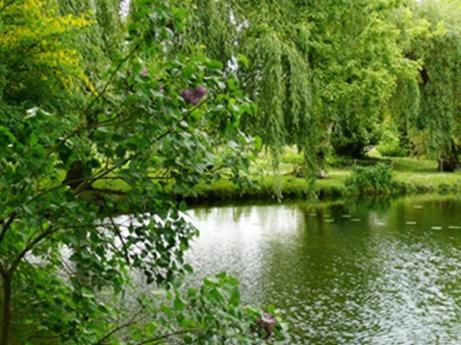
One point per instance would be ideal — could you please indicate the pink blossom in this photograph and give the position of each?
(193, 96)
(144, 72)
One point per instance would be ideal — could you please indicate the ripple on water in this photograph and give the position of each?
(374, 281)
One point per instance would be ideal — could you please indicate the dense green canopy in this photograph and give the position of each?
(321, 74)
(103, 114)
(439, 118)
(94, 122)
(326, 74)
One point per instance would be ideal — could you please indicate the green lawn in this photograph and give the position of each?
(415, 175)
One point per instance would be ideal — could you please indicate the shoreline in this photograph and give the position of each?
(226, 192)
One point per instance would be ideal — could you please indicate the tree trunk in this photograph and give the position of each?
(447, 165)
(448, 162)
(6, 314)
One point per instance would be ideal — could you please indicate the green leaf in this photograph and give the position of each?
(243, 60)
(215, 64)
(178, 303)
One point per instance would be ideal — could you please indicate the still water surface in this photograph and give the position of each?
(344, 273)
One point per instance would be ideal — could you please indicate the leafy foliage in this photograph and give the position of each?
(356, 58)
(66, 261)
(377, 179)
(169, 98)
(439, 83)
(392, 141)
(426, 105)
(39, 62)
(322, 74)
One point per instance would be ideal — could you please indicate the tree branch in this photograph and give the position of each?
(29, 247)
(132, 321)
(107, 171)
(120, 237)
(112, 76)
(7, 225)
(166, 336)
(97, 97)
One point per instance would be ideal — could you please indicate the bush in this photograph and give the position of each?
(292, 156)
(390, 144)
(378, 179)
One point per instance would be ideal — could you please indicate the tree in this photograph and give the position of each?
(356, 58)
(150, 124)
(321, 73)
(439, 49)
(268, 44)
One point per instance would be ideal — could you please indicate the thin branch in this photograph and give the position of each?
(29, 247)
(120, 237)
(121, 178)
(112, 76)
(132, 321)
(43, 193)
(107, 191)
(97, 97)
(158, 177)
(33, 242)
(7, 225)
(107, 171)
(170, 335)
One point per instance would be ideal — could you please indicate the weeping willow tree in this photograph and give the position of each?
(321, 73)
(404, 105)
(267, 43)
(102, 41)
(439, 48)
(355, 59)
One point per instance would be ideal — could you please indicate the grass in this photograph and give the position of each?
(415, 176)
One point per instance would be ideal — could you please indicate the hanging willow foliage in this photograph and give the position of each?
(275, 40)
(321, 73)
(404, 107)
(102, 41)
(355, 59)
(439, 49)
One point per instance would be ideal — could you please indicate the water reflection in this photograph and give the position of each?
(344, 273)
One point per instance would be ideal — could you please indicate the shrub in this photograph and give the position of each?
(377, 179)
(390, 144)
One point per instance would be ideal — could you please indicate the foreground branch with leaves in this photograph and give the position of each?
(70, 269)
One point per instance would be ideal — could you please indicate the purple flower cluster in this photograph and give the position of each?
(193, 96)
(144, 72)
(265, 323)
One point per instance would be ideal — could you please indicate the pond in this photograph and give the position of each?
(344, 273)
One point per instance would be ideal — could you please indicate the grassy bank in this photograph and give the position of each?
(413, 176)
